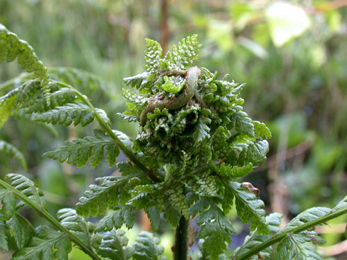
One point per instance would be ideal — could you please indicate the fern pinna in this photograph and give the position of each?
(193, 146)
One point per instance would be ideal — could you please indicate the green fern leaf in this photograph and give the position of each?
(12, 151)
(3, 236)
(253, 240)
(153, 53)
(58, 98)
(185, 54)
(77, 113)
(28, 188)
(75, 224)
(249, 207)
(47, 244)
(153, 214)
(12, 47)
(113, 246)
(7, 105)
(8, 201)
(138, 81)
(100, 197)
(21, 229)
(226, 170)
(215, 230)
(242, 123)
(147, 247)
(306, 216)
(253, 152)
(202, 130)
(261, 130)
(295, 247)
(121, 215)
(80, 150)
(341, 204)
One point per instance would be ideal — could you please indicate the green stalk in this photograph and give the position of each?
(51, 219)
(277, 238)
(181, 240)
(109, 131)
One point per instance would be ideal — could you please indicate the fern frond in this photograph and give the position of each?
(295, 247)
(11, 47)
(147, 247)
(108, 194)
(28, 188)
(21, 230)
(58, 98)
(306, 216)
(215, 230)
(234, 172)
(80, 150)
(7, 105)
(153, 53)
(242, 123)
(114, 246)
(76, 113)
(138, 81)
(253, 240)
(249, 207)
(121, 215)
(8, 202)
(47, 243)
(3, 236)
(69, 219)
(11, 151)
(185, 54)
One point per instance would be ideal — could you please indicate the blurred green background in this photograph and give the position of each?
(291, 54)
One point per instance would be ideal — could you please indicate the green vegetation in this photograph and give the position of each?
(195, 148)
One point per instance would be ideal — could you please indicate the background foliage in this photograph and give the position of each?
(291, 55)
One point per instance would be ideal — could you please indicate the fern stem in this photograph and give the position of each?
(132, 157)
(51, 219)
(281, 235)
(181, 240)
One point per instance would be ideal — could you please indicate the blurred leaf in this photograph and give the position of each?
(220, 32)
(286, 21)
(253, 47)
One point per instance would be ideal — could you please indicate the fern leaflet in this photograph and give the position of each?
(147, 247)
(80, 150)
(11, 47)
(28, 188)
(46, 244)
(113, 246)
(12, 151)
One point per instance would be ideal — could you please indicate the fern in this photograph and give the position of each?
(109, 193)
(185, 54)
(28, 188)
(113, 246)
(11, 47)
(215, 230)
(147, 247)
(80, 150)
(46, 244)
(76, 225)
(12, 151)
(3, 237)
(249, 207)
(7, 104)
(121, 215)
(153, 53)
(21, 229)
